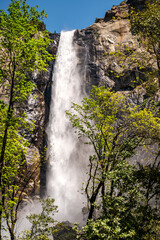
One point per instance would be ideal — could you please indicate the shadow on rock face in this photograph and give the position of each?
(64, 231)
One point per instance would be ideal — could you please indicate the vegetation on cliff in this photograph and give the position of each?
(146, 25)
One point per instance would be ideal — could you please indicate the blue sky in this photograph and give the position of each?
(69, 14)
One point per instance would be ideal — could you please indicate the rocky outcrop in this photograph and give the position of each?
(38, 109)
(98, 64)
(39, 101)
(96, 44)
(106, 51)
(65, 231)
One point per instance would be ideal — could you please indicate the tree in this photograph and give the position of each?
(18, 188)
(124, 197)
(23, 50)
(43, 224)
(138, 63)
(145, 24)
(116, 129)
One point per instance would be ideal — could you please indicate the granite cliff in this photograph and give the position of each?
(98, 65)
(98, 44)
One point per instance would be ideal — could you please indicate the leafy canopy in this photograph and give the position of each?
(23, 51)
(119, 203)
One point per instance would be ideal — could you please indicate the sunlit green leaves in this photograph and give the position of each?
(23, 44)
(116, 194)
(43, 224)
(146, 25)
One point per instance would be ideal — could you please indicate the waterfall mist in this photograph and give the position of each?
(67, 156)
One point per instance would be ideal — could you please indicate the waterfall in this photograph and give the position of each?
(67, 163)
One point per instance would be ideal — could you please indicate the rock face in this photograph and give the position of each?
(106, 51)
(98, 65)
(38, 107)
(39, 110)
(104, 36)
(96, 44)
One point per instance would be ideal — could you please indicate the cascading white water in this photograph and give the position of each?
(67, 162)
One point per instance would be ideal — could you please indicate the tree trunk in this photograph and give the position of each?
(93, 199)
(4, 142)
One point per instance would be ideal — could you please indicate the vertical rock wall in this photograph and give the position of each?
(98, 65)
(96, 44)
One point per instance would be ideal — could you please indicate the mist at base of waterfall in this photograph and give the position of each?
(23, 224)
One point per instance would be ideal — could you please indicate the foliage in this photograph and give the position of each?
(23, 50)
(128, 214)
(139, 60)
(43, 224)
(123, 197)
(116, 130)
(145, 24)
